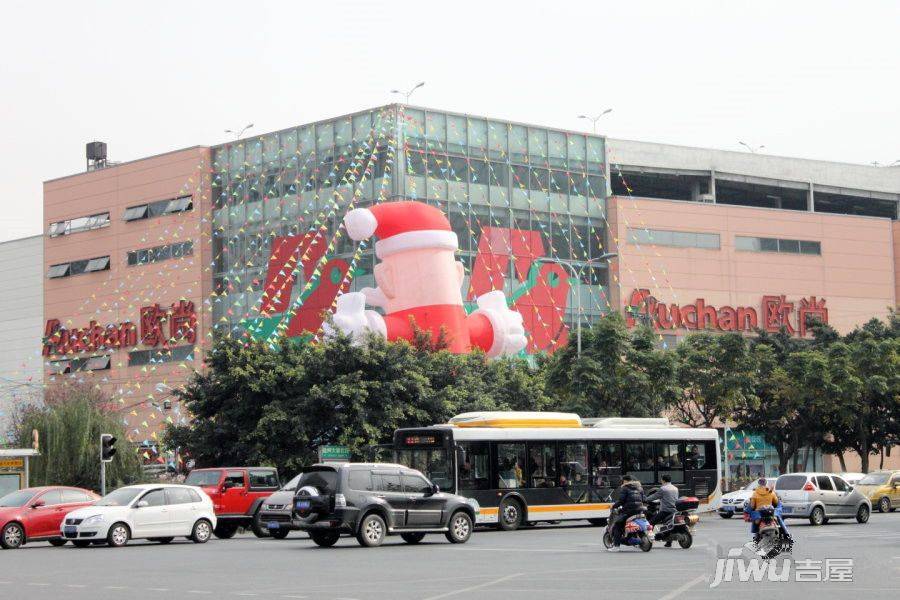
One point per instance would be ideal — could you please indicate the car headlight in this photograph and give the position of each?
(93, 520)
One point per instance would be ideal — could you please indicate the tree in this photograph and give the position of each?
(69, 425)
(619, 373)
(276, 406)
(716, 374)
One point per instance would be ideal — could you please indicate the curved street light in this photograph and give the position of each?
(594, 120)
(406, 95)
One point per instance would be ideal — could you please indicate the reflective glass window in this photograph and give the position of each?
(542, 471)
(511, 465)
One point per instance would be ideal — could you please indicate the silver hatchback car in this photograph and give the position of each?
(820, 497)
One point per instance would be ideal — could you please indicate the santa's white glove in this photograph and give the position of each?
(509, 335)
(350, 317)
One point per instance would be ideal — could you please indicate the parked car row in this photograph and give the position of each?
(369, 501)
(820, 497)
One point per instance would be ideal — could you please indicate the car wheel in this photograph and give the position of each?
(280, 534)
(884, 505)
(460, 528)
(510, 515)
(862, 514)
(225, 531)
(371, 531)
(57, 542)
(726, 515)
(201, 532)
(817, 516)
(325, 539)
(12, 537)
(81, 543)
(257, 527)
(412, 538)
(118, 535)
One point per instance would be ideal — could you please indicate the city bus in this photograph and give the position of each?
(521, 468)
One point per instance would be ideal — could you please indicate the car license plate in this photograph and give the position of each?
(70, 530)
(274, 525)
(787, 509)
(302, 504)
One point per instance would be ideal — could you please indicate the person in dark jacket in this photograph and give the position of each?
(630, 502)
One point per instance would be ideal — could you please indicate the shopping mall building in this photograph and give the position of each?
(145, 262)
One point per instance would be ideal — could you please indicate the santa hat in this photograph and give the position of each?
(401, 226)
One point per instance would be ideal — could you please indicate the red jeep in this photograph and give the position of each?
(237, 494)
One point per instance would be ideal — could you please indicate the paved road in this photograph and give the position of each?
(558, 562)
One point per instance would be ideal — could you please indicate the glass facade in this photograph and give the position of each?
(527, 204)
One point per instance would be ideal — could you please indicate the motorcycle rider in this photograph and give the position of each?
(762, 496)
(631, 502)
(667, 494)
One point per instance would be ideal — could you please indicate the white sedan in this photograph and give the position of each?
(157, 512)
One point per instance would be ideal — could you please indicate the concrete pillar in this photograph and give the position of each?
(811, 199)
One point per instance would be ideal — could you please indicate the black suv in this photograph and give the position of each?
(371, 501)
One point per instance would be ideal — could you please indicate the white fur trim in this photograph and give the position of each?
(360, 223)
(411, 240)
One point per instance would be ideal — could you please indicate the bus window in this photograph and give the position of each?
(573, 475)
(474, 466)
(606, 464)
(700, 455)
(511, 466)
(432, 462)
(640, 462)
(542, 465)
(670, 461)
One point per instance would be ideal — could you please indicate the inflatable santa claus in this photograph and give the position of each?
(419, 285)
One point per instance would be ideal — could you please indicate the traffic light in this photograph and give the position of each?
(107, 447)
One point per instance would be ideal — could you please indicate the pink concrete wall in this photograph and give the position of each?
(855, 273)
(895, 226)
(118, 294)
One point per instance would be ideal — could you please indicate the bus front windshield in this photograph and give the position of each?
(432, 462)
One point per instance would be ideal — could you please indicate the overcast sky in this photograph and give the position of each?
(811, 79)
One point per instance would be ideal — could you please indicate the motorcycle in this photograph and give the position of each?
(680, 526)
(637, 531)
(772, 537)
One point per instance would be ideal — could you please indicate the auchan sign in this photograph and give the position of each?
(774, 312)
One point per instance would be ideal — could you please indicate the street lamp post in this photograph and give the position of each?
(752, 149)
(594, 120)
(237, 134)
(576, 273)
(406, 95)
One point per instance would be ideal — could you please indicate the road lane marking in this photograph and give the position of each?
(157, 589)
(75, 585)
(677, 591)
(474, 587)
(198, 592)
(40, 584)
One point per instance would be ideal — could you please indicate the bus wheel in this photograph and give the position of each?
(510, 515)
